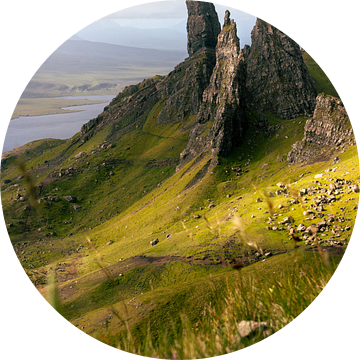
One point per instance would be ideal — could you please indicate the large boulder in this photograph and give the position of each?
(70, 199)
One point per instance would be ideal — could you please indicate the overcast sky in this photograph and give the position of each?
(173, 14)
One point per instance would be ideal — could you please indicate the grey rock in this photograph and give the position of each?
(154, 242)
(252, 328)
(355, 188)
(301, 227)
(70, 199)
(288, 220)
(223, 101)
(275, 67)
(328, 128)
(203, 26)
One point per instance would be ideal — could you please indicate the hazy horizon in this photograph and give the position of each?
(170, 15)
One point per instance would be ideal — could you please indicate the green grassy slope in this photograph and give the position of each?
(128, 193)
(322, 82)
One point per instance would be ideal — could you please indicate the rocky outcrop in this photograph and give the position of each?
(328, 130)
(182, 89)
(277, 77)
(203, 26)
(128, 108)
(221, 118)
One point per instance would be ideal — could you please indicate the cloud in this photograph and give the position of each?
(155, 10)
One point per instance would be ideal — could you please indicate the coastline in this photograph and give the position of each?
(49, 106)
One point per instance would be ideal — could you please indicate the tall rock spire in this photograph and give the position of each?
(277, 77)
(203, 26)
(221, 118)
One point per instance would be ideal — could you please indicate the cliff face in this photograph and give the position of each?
(277, 77)
(329, 129)
(184, 86)
(218, 83)
(203, 26)
(221, 117)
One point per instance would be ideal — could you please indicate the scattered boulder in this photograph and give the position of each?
(154, 242)
(252, 328)
(355, 188)
(54, 198)
(288, 220)
(70, 199)
(301, 227)
(79, 154)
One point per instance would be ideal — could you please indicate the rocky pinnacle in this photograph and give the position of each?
(221, 117)
(203, 26)
(277, 77)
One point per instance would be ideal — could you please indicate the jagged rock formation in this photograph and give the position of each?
(221, 118)
(277, 77)
(203, 26)
(329, 129)
(181, 90)
(217, 84)
(128, 108)
(184, 86)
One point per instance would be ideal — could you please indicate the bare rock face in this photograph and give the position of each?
(220, 120)
(182, 89)
(203, 26)
(277, 77)
(329, 129)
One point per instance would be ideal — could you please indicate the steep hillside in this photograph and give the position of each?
(186, 186)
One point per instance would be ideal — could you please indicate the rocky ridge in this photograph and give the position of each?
(219, 83)
(277, 77)
(328, 129)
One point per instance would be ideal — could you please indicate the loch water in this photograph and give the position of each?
(25, 129)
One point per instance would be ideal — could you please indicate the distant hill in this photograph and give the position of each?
(79, 65)
(108, 31)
